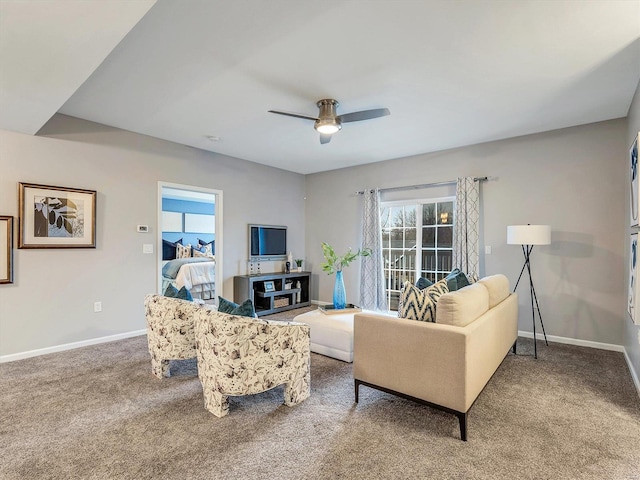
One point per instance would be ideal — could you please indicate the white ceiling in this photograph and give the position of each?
(453, 73)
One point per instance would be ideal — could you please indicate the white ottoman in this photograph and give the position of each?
(331, 335)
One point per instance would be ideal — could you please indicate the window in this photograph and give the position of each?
(417, 241)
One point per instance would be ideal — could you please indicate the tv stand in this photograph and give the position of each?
(285, 295)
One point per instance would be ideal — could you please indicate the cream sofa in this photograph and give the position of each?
(445, 364)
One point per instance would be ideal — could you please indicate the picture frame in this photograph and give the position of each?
(56, 217)
(269, 286)
(633, 277)
(634, 197)
(6, 249)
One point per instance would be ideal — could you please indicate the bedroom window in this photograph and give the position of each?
(417, 241)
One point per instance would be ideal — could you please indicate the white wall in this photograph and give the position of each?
(51, 300)
(572, 179)
(632, 331)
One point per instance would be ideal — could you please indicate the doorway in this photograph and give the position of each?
(190, 217)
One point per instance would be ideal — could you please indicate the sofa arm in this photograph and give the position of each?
(421, 359)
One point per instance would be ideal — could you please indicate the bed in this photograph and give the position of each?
(196, 274)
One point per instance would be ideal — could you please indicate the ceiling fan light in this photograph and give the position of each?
(328, 128)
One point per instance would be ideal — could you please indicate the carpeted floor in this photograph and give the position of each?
(98, 413)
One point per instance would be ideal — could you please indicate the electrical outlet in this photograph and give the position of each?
(97, 307)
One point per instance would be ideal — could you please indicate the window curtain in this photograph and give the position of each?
(466, 239)
(372, 291)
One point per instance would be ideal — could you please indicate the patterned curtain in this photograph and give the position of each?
(372, 291)
(466, 240)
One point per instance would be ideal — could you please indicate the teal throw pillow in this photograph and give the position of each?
(456, 280)
(245, 309)
(226, 306)
(182, 294)
(423, 283)
(171, 291)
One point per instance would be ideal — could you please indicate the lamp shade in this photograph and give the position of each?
(528, 234)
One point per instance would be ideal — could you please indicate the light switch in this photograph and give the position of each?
(147, 248)
(487, 249)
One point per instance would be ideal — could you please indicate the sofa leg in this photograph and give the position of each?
(463, 426)
(356, 384)
(514, 346)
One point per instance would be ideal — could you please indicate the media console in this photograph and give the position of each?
(284, 295)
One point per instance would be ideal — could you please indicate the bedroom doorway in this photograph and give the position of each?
(190, 234)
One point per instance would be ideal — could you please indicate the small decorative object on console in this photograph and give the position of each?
(334, 263)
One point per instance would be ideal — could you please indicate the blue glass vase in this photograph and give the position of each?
(339, 293)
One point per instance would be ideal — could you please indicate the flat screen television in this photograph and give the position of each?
(268, 242)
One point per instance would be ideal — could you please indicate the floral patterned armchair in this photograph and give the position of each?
(242, 356)
(170, 331)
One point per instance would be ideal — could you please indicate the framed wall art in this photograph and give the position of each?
(635, 201)
(56, 217)
(633, 266)
(6, 249)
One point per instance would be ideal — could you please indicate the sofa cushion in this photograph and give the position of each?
(463, 306)
(498, 287)
(420, 304)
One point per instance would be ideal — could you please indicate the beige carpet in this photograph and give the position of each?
(98, 413)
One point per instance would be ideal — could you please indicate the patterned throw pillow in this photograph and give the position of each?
(183, 251)
(438, 289)
(422, 283)
(421, 304)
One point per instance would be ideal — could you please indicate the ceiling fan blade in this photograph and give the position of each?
(363, 115)
(297, 115)
(325, 138)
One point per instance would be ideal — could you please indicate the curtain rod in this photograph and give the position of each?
(423, 185)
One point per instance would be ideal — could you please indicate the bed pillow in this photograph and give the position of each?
(183, 251)
(169, 249)
(203, 251)
(202, 243)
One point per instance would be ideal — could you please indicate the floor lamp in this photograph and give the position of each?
(527, 236)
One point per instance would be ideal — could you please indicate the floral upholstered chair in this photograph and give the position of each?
(170, 331)
(243, 355)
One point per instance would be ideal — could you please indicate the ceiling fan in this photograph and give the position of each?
(327, 122)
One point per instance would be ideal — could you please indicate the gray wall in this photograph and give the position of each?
(51, 300)
(632, 331)
(572, 179)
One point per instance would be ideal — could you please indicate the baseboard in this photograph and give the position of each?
(574, 341)
(634, 374)
(70, 346)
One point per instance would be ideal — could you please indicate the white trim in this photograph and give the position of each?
(634, 374)
(574, 341)
(70, 346)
